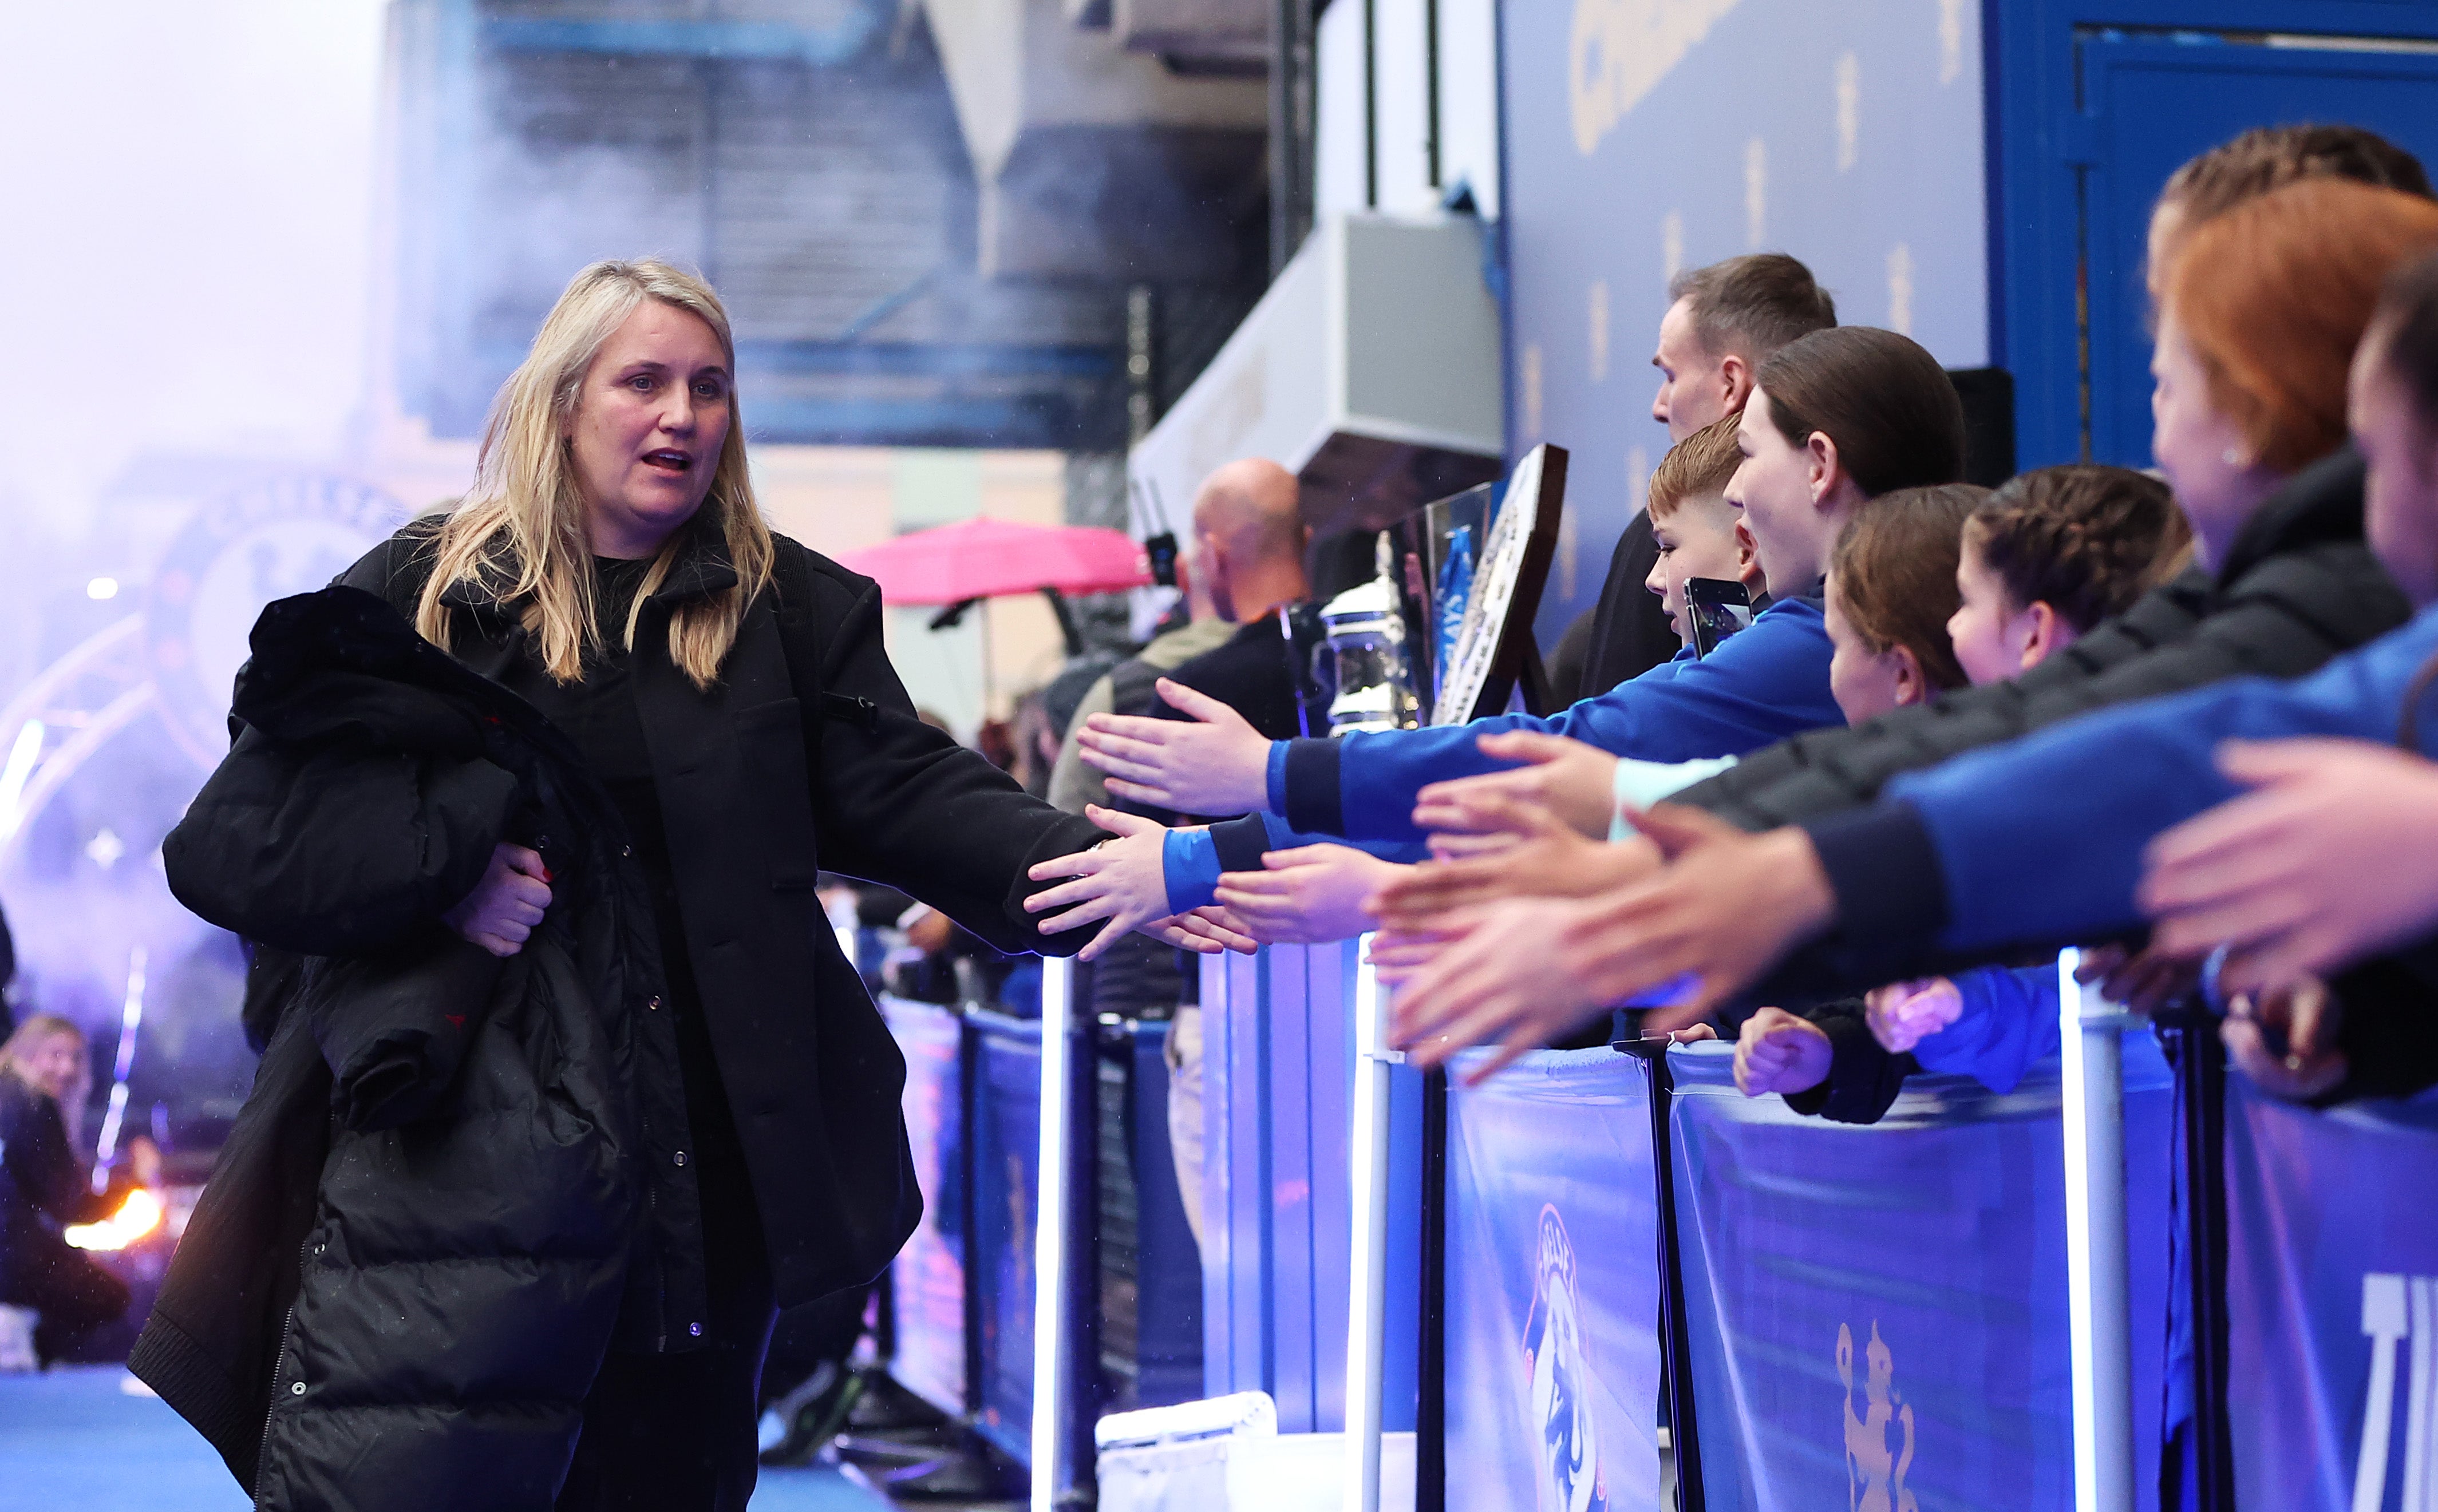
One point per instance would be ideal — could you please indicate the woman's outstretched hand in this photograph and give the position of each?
(2331, 858)
(1121, 884)
(501, 913)
(1217, 764)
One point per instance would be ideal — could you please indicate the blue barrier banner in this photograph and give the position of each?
(927, 1280)
(1007, 1164)
(1552, 1286)
(1278, 1069)
(1878, 1315)
(2332, 1290)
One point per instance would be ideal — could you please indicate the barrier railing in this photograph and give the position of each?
(1885, 1313)
(2332, 1281)
(1885, 1309)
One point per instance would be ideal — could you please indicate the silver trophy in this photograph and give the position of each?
(1367, 642)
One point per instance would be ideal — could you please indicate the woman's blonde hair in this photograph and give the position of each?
(519, 534)
(20, 1045)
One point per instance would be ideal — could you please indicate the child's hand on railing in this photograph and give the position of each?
(1778, 1052)
(1902, 1014)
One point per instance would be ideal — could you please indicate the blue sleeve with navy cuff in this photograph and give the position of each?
(1762, 685)
(2009, 1022)
(2043, 839)
(1192, 861)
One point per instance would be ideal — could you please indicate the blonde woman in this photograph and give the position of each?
(586, 1091)
(43, 1074)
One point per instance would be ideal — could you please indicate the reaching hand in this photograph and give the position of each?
(2286, 1041)
(1725, 909)
(1778, 1052)
(1216, 765)
(1400, 950)
(1123, 880)
(1204, 931)
(1574, 782)
(2333, 858)
(1902, 1014)
(2146, 981)
(1545, 859)
(501, 913)
(1307, 895)
(1516, 978)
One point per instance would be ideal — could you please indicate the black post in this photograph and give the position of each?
(1291, 116)
(1430, 1371)
(1675, 1371)
(2201, 1075)
(1086, 1389)
(969, 1056)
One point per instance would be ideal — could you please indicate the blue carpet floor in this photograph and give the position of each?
(71, 1441)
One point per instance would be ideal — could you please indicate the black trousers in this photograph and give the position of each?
(675, 1433)
(72, 1294)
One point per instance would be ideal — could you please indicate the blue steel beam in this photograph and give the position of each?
(723, 41)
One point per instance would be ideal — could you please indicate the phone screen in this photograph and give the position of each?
(1718, 609)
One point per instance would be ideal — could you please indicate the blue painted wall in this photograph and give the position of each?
(1646, 136)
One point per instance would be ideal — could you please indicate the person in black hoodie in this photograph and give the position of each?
(626, 731)
(42, 1185)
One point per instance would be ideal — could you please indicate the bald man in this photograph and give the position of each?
(1248, 557)
(1248, 544)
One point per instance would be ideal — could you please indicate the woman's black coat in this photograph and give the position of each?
(807, 756)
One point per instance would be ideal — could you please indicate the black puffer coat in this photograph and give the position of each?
(452, 1271)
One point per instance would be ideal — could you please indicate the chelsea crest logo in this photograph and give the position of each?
(288, 534)
(1556, 1361)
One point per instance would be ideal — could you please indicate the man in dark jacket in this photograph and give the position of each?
(1723, 321)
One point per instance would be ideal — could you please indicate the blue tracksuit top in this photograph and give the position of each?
(2042, 839)
(1767, 682)
(1192, 860)
(2010, 1020)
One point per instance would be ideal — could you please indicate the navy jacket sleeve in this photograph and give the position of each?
(1766, 683)
(2298, 587)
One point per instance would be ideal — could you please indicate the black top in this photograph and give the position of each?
(599, 716)
(1248, 672)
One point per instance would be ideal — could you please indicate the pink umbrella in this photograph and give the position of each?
(990, 558)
